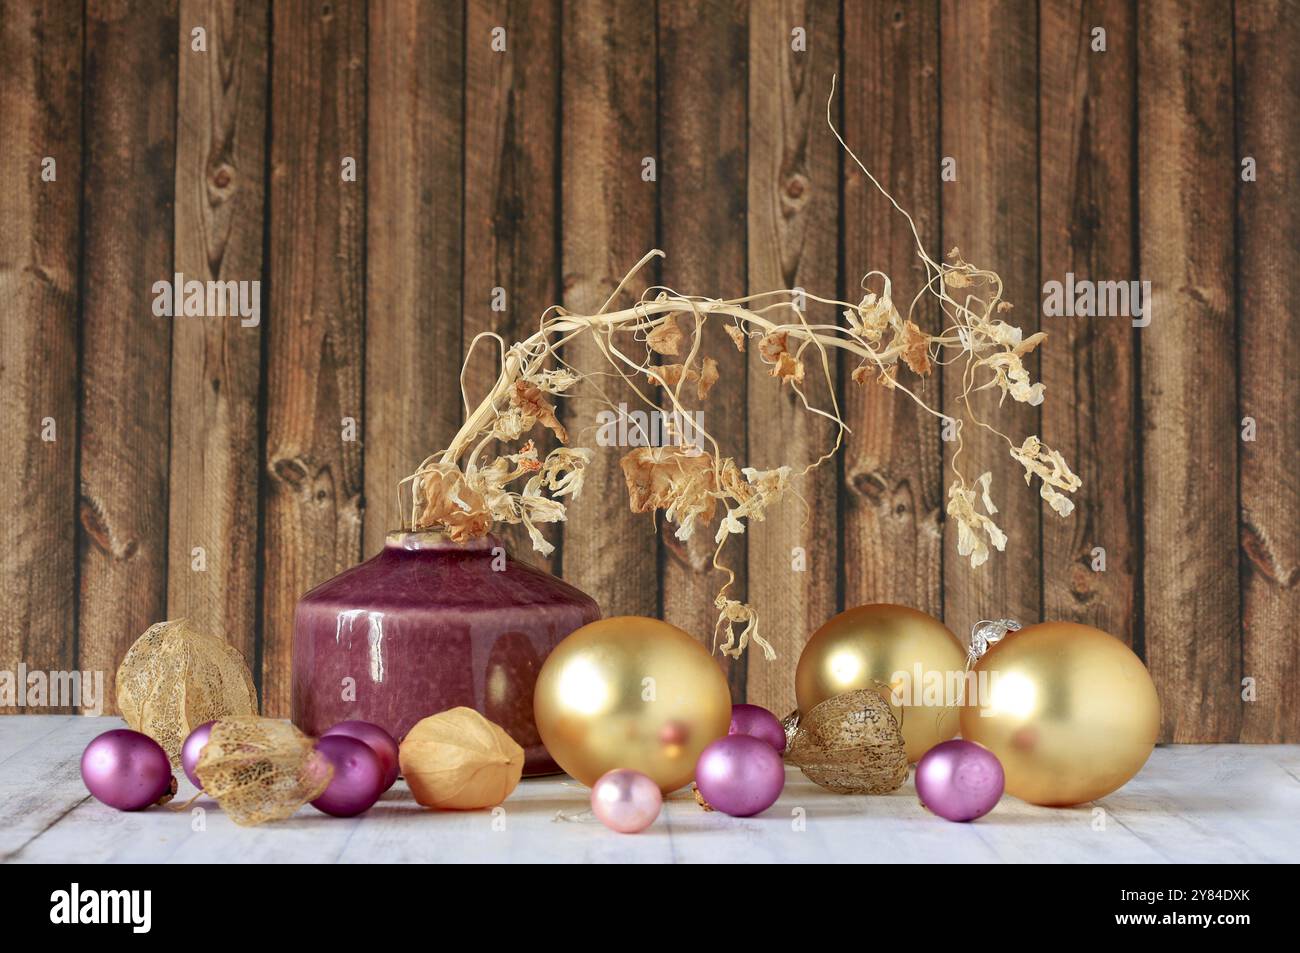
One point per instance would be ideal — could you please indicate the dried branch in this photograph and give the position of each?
(464, 490)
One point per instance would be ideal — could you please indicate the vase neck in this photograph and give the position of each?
(429, 540)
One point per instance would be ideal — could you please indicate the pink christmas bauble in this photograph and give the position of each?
(757, 722)
(740, 775)
(959, 780)
(626, 801)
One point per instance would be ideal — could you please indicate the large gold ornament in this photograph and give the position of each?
(1070, 712)
(892, 649)
(630, 692)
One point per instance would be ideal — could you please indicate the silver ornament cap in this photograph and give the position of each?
(987, 633)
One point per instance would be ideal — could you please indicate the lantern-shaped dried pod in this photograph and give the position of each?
(261, 769)
(458, 760)
(851, 744)
(176, 677)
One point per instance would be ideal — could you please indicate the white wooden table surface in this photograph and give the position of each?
(1205, 803)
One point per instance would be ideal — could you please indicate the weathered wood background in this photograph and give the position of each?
(132, 439)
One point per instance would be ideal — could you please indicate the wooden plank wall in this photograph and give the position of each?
(404, 177)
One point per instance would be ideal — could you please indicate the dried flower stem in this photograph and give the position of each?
(463, 490)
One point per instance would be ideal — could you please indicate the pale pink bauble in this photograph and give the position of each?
(626, 801)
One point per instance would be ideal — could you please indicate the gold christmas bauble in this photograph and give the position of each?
(894, 650)
(630, 692)
(1070, 712)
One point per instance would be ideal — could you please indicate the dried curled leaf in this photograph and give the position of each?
(708, 377)
(680, 481)
(761, 489)
(445, 501)
(261, 769)
(874, 315)
(464, 506)
(773, 345)
(527, 399)
(851, 744)
(773, 349)
(788, 368)
(915, 344)
(175, 678)
(666, 338)
(458, 760)
(730, 614)
(1049, 466)
(972, 525)
(885, 376)
(672, 374)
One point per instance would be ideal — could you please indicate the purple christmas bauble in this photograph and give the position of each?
(959, 780)
(740, 775)
(379, 740)
(358, 776)
(192, 748)
(757, 722)
(127, 770)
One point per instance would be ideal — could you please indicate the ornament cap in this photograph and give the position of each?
(988, 632)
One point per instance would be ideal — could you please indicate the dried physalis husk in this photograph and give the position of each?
(261, 769)
(699, 798)
(851, 744)
(458, 760)
(790, 725)
(176, 677)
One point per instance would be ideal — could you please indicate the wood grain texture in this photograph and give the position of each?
(793, 201)
(521, 169)
(216, 360)
(40, 113)
(414, 188)
(1086, 103)
(130, 143)
(1267, 44)
(512, 101)
(1190, 431)
(315, 325)
(702, 192)
(608, 127)
(990, 115)
(893, 488)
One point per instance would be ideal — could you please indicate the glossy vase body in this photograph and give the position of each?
(428, 625)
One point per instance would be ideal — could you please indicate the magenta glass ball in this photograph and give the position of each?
(626, 801)
(358, 776)
(380, 742)
(192, 748)
(127, 770)
(959, 780)
(740, 775)
(757, 722)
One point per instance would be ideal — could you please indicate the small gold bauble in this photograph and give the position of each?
(630, 692)
(887, 648)
(1070, 712)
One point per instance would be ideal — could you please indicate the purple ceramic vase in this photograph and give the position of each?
(428, 625)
